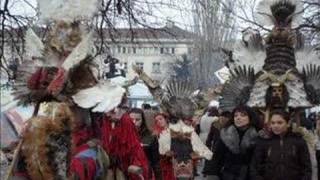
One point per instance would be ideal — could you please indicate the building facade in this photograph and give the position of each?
(153, 50)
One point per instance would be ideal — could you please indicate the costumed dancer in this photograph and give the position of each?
(63, 144)
(121, 141)
(180, 141)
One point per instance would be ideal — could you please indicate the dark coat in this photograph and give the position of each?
(233, 153)
(279, 158)
(150, 147)
(211, 142)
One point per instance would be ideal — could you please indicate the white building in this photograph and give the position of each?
(150, 49)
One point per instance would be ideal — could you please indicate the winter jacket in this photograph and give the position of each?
(279, 158)
(213, 137)
(233, 153)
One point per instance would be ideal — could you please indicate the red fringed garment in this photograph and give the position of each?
(123, 142)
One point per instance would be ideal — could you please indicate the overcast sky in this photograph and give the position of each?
(178, 11)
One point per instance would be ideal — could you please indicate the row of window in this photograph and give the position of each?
(155, 66)
(145, 50)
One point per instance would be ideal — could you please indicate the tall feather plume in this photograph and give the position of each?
(237, 90)
(268, 12)
(67, 10)
(178, 100)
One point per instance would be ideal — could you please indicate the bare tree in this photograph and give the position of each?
(111, 14)
(214, 26)
(12, 27)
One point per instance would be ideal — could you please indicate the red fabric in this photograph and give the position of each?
(34, 82)
(57, 83)
(122, 142)
(84, 168)
(166, 168)
(80, 137)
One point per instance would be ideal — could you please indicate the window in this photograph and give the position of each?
(156, 67)
(134, 50)
(123, 50)
(139, 65)
(119, 49)
(161, 50)
(172, 50)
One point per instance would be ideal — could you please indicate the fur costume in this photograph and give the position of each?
(61, 145)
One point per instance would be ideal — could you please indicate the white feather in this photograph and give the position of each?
(248, 56)
(305, 56)
(34, 45)
(102, 97)
(80, 52)
(164, 142)
(67, 10)
(180, 126)
(297, 94)
(263, 12)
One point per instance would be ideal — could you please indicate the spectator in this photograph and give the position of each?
(149, 141)
(235, 147)
(284, 155)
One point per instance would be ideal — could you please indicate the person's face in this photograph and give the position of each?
(223, 120)
(278, 124)
(161, 121)
(241, 119)
(137, 119)
(116, 114)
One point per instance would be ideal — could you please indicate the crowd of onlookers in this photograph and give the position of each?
(244, 148)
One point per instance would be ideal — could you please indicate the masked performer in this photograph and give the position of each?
(180, 142)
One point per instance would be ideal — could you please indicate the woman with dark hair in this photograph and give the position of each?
(284, 155)
(234, 147)
(148, 141)
(162, 124)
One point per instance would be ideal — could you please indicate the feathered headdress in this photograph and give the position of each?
(280, 13)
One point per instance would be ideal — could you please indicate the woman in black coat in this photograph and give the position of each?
(234, 148)
(148, 141)
(284, 155)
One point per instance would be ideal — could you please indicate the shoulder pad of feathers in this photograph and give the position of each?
(102, 97)
(307, 55)
(250, 50)
(80, 52)
(68, 11)
(307, 135)
(265, 17)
